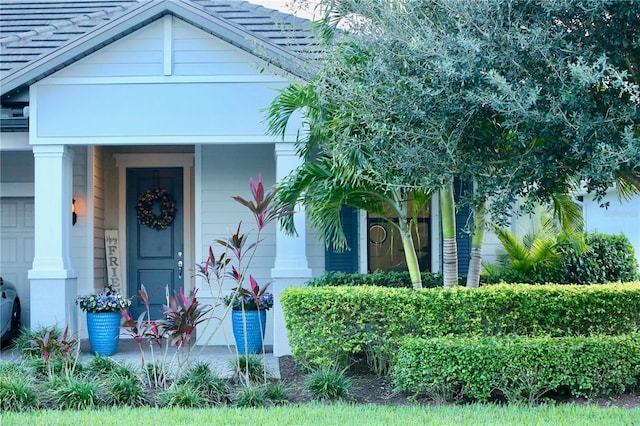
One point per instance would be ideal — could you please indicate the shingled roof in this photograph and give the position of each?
(39, 37)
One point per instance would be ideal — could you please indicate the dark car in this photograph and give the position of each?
(9, 313)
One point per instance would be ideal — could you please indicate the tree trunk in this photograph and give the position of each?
(475, 264)
(449, 244)
(410, 254)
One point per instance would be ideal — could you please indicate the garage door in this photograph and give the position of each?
(16, 246)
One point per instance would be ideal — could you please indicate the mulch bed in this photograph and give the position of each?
(372, 389)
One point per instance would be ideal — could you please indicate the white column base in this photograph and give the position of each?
(281, 280)
(53, 303)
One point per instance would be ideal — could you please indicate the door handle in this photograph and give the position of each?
(180, 269)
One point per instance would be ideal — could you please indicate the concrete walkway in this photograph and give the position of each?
(220, 358)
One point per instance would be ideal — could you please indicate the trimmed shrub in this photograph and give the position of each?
(521, 369)
(392, 279)
(610, 258)
(328, 325)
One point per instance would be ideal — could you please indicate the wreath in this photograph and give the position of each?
(145, 209)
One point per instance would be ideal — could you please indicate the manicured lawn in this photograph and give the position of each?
(336, 414)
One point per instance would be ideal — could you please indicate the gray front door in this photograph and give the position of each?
(154, 256)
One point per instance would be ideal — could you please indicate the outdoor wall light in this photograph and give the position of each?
(74, 216)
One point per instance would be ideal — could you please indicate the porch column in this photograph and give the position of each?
(290, 267)
(53, 283)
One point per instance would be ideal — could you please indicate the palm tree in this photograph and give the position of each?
(477, 240)
(449, 244)
(561, 221)
(325, 184)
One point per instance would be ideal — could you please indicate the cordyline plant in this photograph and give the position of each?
(51, 346)
(237, 249)
(180, 317)
(240, 251)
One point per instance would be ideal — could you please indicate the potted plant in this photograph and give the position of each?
(103, 319)
(249, 315)
(248, 303)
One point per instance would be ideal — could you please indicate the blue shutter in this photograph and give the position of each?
(463, 218)
(346, 261)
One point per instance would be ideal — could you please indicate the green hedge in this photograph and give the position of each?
(520, 369)
(392, 279)
(327, 325)
(378, 278)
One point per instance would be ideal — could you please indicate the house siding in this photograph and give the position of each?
(158, 86)
(315, 251)
(198, 53)
(139, 54)
(99, 266)
(81, 258)
(193, 52)
(621, 217)
(226, 170)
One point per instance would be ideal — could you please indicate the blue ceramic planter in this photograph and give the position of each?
(255, 327)
(104, 332)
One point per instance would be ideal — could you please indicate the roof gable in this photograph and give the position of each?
(35, 48)
(168, 47)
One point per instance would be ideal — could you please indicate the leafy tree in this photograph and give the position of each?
(523, 98)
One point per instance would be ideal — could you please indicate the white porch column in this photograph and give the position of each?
(52, 279)
(291, 267)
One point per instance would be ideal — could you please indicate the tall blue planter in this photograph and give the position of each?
(104, 332)
(255, 327)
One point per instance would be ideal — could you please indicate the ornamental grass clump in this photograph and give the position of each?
(76, 393)
(210, 385)
(102, 365)
(328, 383)
(125, 390)
(184, 396)
(17, 393)
(249, 369)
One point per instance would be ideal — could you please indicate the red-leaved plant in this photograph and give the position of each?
(51, 346)
(264, 211)
(238, 250)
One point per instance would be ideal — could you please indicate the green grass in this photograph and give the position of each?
(319, 414)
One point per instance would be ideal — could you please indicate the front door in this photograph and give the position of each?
(155, 233)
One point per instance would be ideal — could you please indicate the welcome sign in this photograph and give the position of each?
(112, 253)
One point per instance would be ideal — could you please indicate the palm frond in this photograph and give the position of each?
(627, 185)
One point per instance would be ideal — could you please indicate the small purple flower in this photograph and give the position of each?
(109, 301)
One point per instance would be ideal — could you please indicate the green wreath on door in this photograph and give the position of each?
(144, 209)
